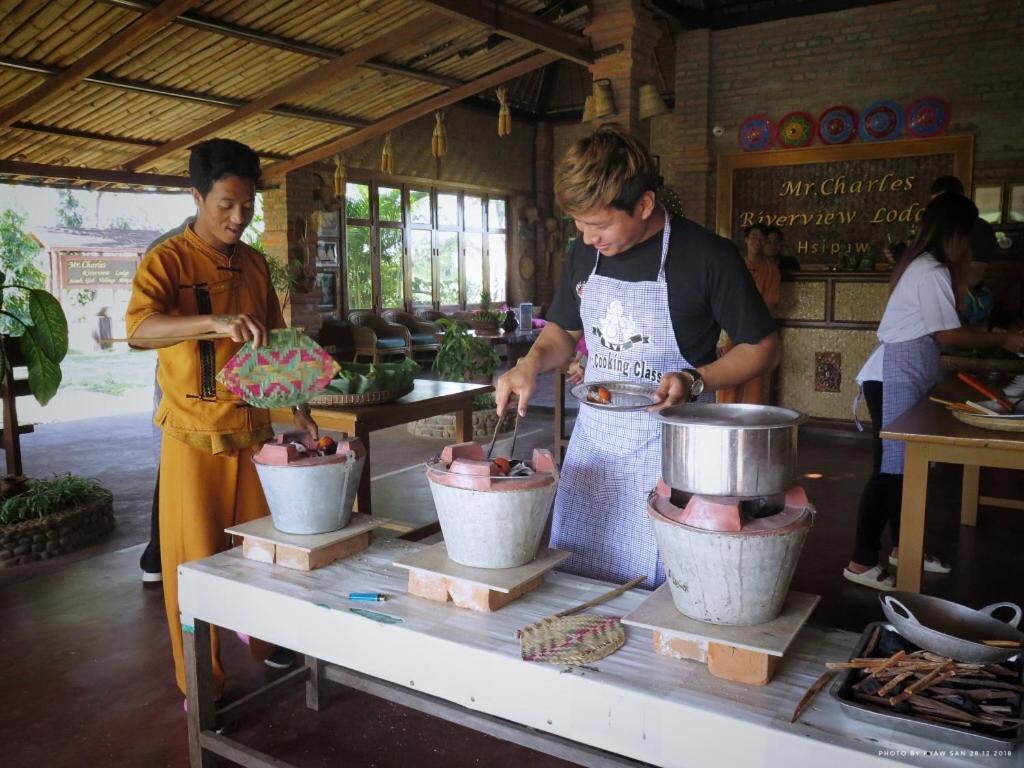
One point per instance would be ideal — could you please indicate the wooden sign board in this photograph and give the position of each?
(84, 272)
(831, 201)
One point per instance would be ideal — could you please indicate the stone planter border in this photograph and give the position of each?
(443, 426)
(56, 534)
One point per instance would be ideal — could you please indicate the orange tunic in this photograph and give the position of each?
(768, 280)
(207, 478)
(184, 276)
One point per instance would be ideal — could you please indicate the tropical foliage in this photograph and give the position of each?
(46, 496)
(28, 311)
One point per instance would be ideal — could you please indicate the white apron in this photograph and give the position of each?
(614, 458)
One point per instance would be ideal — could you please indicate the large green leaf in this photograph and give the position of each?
(43, 373)
(50, 325)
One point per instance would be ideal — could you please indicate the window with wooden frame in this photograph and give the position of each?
(417, 246)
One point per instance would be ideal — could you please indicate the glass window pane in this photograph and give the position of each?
(990, 203)
(419, 260)
(1017, 203)
(474, 267)
(495, 214)
(496, 260)
(448, 267)
(419, 206)
(357, 201)
(473, 208)
(391, 287)
(358, 275)
(389, 204)
(447, 210)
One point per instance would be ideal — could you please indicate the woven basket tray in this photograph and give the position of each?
(573, 640)
(375, 397)
(991, 422)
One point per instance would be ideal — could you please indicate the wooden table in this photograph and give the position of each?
(931, 433)
(428, 398)
(634, 707)
(517, 343)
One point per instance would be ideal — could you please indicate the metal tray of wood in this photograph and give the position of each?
(966, 738)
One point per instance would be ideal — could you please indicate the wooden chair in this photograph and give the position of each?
(424, 335)
(388, 339)
(12, 389)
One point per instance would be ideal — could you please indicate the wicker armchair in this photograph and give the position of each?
(430, 315)
(376, 338)
(338, 337)
(423, 334)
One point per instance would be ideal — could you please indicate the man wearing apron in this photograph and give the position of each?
(650, 293)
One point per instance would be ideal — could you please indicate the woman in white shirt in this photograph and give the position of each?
(927, 286)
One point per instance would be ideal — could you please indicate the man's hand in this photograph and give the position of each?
(305, 422)
(674, 389)
(519, 381)
(242, 328)
(1014, 342)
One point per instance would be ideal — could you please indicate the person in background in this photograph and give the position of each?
(206, 280)
(926, 288)
(650, 292)
(773, 246)
(768, 280)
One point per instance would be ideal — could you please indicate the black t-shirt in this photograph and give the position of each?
(709, 288)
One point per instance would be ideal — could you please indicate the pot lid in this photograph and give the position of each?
(730, 415)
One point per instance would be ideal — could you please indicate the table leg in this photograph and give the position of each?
(915, 498)
(202, 711)
(969, 495)
(363, 496)
(316, 690)
(464, 423)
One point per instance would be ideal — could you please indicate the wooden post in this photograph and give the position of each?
(969, 495)
(915, 497)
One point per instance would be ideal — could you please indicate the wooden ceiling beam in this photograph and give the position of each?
(102, 54)
(14, 168)
(518, 25)
(210, 24)
(403, 116)
(310, 80)
(179, 93)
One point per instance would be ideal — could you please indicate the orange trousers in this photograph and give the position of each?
(201, 494)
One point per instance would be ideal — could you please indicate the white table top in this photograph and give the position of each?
(634, 703)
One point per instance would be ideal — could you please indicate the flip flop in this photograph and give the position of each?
(932, 564)
(875, 578)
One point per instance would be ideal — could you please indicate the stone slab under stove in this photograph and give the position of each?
(262, 542)
(748, 654)
(434, 576)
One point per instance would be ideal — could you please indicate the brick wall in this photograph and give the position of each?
(969, 53)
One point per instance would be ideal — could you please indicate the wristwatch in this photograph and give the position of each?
(696, 384)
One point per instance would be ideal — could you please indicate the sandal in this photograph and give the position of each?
(932, 564)
(876, 578)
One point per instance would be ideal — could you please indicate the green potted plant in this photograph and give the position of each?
(485, 319)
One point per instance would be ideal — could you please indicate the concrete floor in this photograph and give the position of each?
(86, 671)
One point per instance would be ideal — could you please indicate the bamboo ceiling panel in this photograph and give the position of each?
(58, 33)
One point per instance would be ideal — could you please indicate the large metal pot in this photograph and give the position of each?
(729, 449)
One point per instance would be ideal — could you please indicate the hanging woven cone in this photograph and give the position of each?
(651, 104)
(588, 109)
(504, 113)
(439, 138)
(339, 177)
(604, 101)
(387, 156)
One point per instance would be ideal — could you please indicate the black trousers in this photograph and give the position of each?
(882, 496)
(150, 560)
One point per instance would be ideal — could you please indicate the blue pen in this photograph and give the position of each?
(367, 597)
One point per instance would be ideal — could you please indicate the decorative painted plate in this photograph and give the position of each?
(756, 132)
(928, 116)
(837, 125)
(796, 129)
(287, 371)
(881, 120)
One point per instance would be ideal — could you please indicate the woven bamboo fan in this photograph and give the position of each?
(574, 638)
